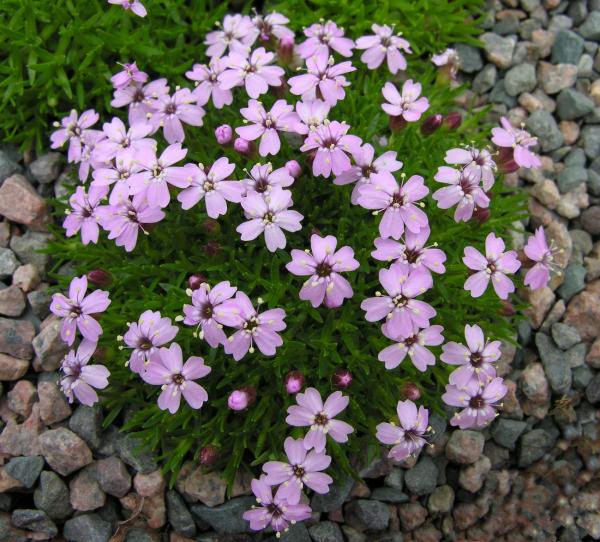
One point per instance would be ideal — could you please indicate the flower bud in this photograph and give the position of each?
(294, 382)
(397, 124)
(453, 120)
(481, 214)
(242, 398)
(243, 146)
(505, 160)
(208, 455)
(431, 124)
(285, 50)
(411, 391)
(194, 281)
(224, 134)
(507, 308)
(211, 226)
(293, 168)
(341, 378)
(99, 277)
(212, 248)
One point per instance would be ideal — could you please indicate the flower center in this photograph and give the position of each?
(397, 200)
(477, 402)
(206, 311)
(178, 379)
(298, 471)
(321, 419)
(251, 324)
(171, 109)
(132, 215)
(400, 301)
(269, 122)
(144, 343)
(412, 255)
(75, 310)
(157, 171)
(261, 185)
(323, 270)
(409, 341)
(476, 359)
(138, 96)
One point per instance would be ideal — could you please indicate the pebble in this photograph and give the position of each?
(412, 515)
(20, 203)
(148, 485)
(48, 345)
(557, 371)
(22, 397)
(12, 301)
(485, 79)
(8, 263)
(542, 124)
(208, 488)
(389, 494)
(422, 478)
(555, 77)
(27, 248)
(469, 58)
(574, 281)
(590, 136)
(12, 368)
(16, 337)
(590, 220)
(564, 335)
(326, 531)
(179, 516)
(132, 452)
(87, 423)
(112, 476)
(582, 376)
(226, 518)
(52, 496)
(592, 392)
(366, 515)
(25, 469)
(520, 78)
(473, 476)
(47, 167)
(64, 451)
(338, 493)
(39, 300)
(571, 177)
(34, 520)
(87, 528)
(533, 446)
(567, 48)
(85, 492)
(590, 29)
(498, 50)
(54, 407)
(506, 432)
(583, 312)
(464, 447)
(572, 104)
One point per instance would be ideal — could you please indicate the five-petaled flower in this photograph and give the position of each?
(494, 266)
(82, 215)
(537, 250)
(324, 265)
(407, 104)
(311, 412)
(409, 437)
(384, 45)
(170, 111)
(208, 85)
(166, 369)
(414, 345)
(519, 141)
(73, 129)
(323, 36)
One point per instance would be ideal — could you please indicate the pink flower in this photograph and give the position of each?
(448, 58)
(82, 215)
(294, 381)
(272, 24)
(73, 130)
(397, 203)
(414, 345)
(464, 190)
(332, 144)
(212, 186)
(302, 469)
(237, 34)
(384, 45)
(76, 311)
(323, 80)
(88, 158)
(474, 360)
(519, 140)
(274, 510)
(208, 84)
(403, 313)
(281, 118)
(238, 400)
(171, 111)
(119, 140)
(130, 75)
(80, 378)
(262, 179)
(538, 251)
(325, 36)
(254, 73)
(204, 312)
(476, 160)
(311, 412)
(413, 252)
(312, 114)
(140, 99)
(293, 168)
(407, 105)
(252, 327)
(365, 167)
(224, 134)
(124, 220)
(269, 214)
(166, 369)
(409, 438)
(119, 174)
(494, 266)
(158, 173)
(134, 5)
(324, 265)
(145, 337)
(478, 402)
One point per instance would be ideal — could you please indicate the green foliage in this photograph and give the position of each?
(316, 341)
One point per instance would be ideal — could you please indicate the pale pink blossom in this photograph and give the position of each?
(254, 72)
(272, 24)
(323, 37)
(407, 104)
(119, 139)
(408, 438)
(479, 161)
(135, 6)
(82, 215)
(80, 378)
(538, 251)
(208, 85)
(383, 45)
(312, 114)
(237, 33)
(171, 111)
(140, 99)
(464, 191)
(413, 345)
(72, 129)
(129, 75)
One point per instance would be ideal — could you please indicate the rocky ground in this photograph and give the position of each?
(533, 475)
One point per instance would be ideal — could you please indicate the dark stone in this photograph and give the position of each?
(574, 281)
(565, 336)
(470, 58)
(87, 423)
(338, 493)
(582, 376)
(179, 516)
(52, 496)
(226, 518)
(534, 445)
(541, 123)
(367, 515)
(25, 469)
(327, 531)
(87, 528)
(131, 451)
(556, 368)
(572, 104)
(570, 178)
(506, 432)
(567, 48)
(422, 478)
(592, 392)
(389, 494)
(34, 520)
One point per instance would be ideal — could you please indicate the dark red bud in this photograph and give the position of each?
(285, 50)
(99, 277)
(212, 248)
(431, 124)
(453, 120)
(250, 393)
(397, 124)
(194, 281)
(341, 378)
(505, 160)
(507, 308)
(481, 214)
(316, 231)
(294, 381)
(211, 226)
(411, 391)
(209, 455)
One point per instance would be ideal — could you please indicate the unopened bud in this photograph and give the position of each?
(431, 124)
(481, 214)
(212, 248)
(397, 124)
(243, 146)
(453, 120)
(209, 455)
(411, 391)
(211, 226)
(285, 50)
(507, 308)
(224, 134)
(99, 277)
(294, 382)
(341, 378)
(293, 168)
(242, 398)
(194, 281)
